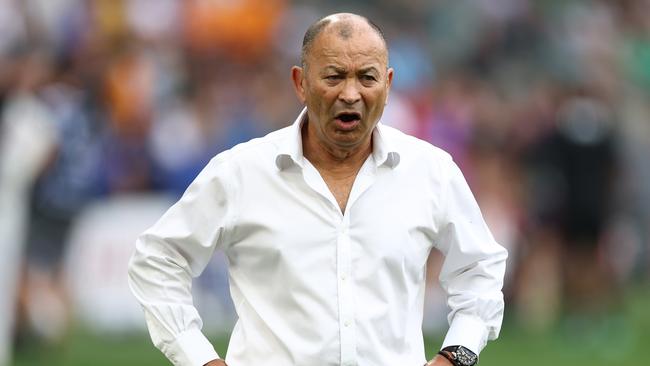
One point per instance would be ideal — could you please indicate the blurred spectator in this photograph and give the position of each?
(572, 174)
(62, 188)
(27, 139)
(129, 90)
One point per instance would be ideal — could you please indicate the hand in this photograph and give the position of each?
(216, 363)
(439, 361)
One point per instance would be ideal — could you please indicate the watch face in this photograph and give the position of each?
(465, 357)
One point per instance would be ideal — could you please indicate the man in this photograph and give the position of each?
(327, 226)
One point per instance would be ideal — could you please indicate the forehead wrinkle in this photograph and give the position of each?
(357, 62)
(351, 63)
(348, 51)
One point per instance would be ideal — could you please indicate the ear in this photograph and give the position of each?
(297, 76)
(389, 82)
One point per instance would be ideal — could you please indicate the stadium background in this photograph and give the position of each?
(109, 108)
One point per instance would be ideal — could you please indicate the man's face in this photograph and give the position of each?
(345, 85)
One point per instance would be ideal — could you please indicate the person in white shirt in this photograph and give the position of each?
(327, 226)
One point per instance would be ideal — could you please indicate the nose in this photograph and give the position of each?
(350, 92)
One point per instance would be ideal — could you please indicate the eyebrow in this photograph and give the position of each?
(337, 69)
(342, 70)
(368, 69)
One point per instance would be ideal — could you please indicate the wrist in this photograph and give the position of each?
(439, 360)
(217, 362)
(459, 356)
(446, 358)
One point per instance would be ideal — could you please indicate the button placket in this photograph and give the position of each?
(346, 295)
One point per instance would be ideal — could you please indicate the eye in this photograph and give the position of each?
(368, 77)
(334, 77)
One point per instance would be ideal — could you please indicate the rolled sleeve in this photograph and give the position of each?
(190, 348)
(473, 269)
(468, 331)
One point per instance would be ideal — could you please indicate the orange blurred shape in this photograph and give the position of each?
(129, 93)
(243, 28)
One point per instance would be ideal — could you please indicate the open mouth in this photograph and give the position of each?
(348, 117)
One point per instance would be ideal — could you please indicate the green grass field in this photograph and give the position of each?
(622, 339)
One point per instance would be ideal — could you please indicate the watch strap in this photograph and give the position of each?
(448, 356)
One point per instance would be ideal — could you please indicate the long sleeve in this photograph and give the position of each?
(169, 254)
(473, 269)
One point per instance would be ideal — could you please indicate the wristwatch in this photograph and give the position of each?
(459, 355)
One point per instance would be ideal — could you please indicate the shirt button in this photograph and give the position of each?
(346, 323)
(344, 277)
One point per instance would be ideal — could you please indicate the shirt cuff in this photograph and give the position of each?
(467, 331)
(191, 348)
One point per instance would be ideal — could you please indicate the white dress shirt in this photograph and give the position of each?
(311, 285)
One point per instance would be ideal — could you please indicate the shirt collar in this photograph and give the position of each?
(290, 149)
(383, 150)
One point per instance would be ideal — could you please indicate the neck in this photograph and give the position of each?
(334, 160)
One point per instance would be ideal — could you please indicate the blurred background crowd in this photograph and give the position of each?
(109, 109)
